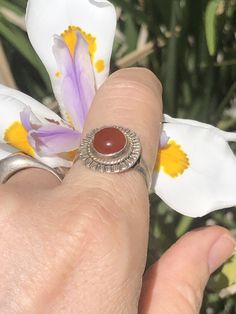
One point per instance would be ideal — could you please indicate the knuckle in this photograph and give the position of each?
(90, 223)
(97, 220)
(99, 212)
(100, 206)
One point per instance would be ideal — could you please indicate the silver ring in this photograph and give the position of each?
(113, 149)
(19, 161)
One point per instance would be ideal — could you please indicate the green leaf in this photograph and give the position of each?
(183, 225)
(130, 33)
(20, 42)
(229, 270)
(225, 278)
(129, 7)
(211, 25)
(13, 7)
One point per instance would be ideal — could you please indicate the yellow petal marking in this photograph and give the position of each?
(100, 65)
(172, 160)
(72, 154)
(16, 135)
(69, 36)
(69, 119)
(58, 74)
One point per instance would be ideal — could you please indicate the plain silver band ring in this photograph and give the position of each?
(19, 161)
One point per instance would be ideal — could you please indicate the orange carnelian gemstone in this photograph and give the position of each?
(109, 141)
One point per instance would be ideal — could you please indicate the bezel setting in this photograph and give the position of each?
(120, 161)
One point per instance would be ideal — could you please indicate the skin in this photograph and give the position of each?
(80, 246)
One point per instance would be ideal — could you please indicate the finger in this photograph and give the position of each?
(114, 208)
(175, 284)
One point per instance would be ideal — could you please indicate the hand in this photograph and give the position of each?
(80, 246)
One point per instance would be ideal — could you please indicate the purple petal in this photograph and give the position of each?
(49, 137)
(29, 119)
(77, 81)
(84, 72)
(69, 90)
(54, 139)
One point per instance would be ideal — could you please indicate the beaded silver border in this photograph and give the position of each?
(114, 163)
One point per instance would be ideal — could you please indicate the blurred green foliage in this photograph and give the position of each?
(194, 54)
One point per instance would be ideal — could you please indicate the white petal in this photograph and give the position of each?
(11, 97)
(169, 119)
(228, 136)
(210, 181)
(46, 18)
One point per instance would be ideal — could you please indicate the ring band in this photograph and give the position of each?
(142, 168)
(113, 149)
(19, 161)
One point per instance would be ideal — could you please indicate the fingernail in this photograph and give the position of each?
(221, 250)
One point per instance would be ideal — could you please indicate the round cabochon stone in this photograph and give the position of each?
(109, 141)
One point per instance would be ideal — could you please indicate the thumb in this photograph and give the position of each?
(175, 284)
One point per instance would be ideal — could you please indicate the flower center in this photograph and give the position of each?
(16, 135)
(70, 38)
(172, 160)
